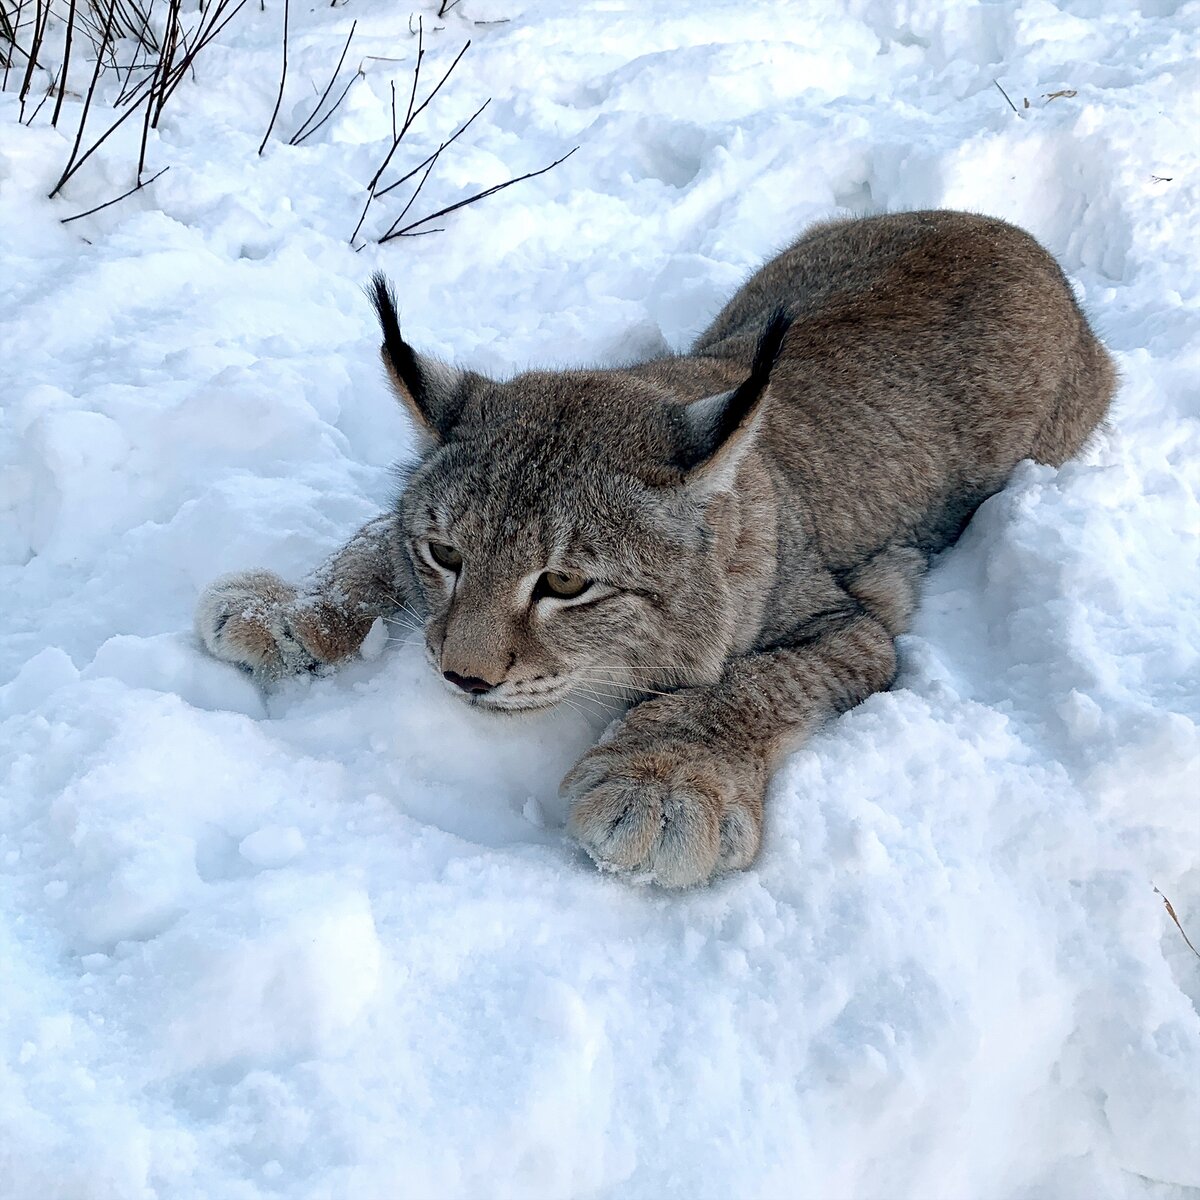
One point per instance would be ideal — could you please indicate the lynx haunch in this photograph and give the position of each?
(728, 541)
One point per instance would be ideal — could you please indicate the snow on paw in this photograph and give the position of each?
(249, 619)
(671, 813)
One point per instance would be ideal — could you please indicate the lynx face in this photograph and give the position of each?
(571, 530)
(550, 570)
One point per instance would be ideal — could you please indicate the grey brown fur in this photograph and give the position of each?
(755, 514)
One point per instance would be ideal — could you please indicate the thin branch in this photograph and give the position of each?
(282, 81)
(41, 15)
(66, 66)
(45, 96)
(9, 28)
(153, 90)
(446, 5)
(160, 68)
(71, 166)
(391, 187)
(421, 108)
(407, 231)
(413, 112)
(336, 105)
(137, 187)
(1171, 913)
(304, 130)
(1005, 95)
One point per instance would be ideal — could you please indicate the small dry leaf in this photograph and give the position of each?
(1171, 913)
(1065, 94)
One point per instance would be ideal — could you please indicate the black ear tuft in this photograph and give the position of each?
(430, 390)
(715, 422)
(766, 355)
(397, 353)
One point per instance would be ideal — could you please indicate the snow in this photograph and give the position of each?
(329, 942)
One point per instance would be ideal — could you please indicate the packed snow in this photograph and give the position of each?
(330, 942)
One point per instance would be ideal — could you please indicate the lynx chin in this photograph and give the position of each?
(725, 542)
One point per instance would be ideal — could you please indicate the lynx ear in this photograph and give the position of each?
(430, 390)
(718, 430)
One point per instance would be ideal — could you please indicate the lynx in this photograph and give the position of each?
(727, 541)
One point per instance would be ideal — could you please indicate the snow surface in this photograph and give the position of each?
(330, 943)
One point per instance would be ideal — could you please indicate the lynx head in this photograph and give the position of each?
(569, 530)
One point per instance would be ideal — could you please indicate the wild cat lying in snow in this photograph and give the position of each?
(729, 539)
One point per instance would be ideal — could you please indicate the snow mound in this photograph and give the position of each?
(329, 942)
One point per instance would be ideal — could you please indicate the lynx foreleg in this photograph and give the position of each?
(677, 793)
(273, 628)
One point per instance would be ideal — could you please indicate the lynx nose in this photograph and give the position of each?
(468, 683)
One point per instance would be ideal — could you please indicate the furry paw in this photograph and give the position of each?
(253, 620)
(671, 812)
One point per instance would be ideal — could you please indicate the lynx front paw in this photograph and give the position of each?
(670, 812)
(252, 620)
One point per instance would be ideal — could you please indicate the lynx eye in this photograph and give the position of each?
(563, 584)
(445, 556)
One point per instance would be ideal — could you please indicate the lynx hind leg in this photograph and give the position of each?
(888, 585)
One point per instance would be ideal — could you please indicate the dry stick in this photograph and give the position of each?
(15, 46)
(137, 187)
(42, 101)
(391, 187)
(410, 116)
(304, 131)
(407, 231)
(217, 16)
(66, 66)
(223, 15)
(7, 34)
(41, 12)
(282, 81)
(1005, 95)
(171, 40)
(141, 59)
(160, 69)
(445, 6)
(71, 167)
(1171, 913)
(336, 105)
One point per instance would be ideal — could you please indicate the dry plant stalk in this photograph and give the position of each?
(174, 56)
(305, 131)
(1171, 913)
(397, 228)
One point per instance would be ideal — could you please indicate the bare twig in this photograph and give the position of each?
(446, 5)
(176, 56)
(71, 166)
(1171, 913)
(407, 230)
(137, 187)
(8, 33)
(1005, 95)
(66, 66)
(413, 112)
(45, 96)
(282, 81)
(391, 187)
(41, 16)
(304, 131)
